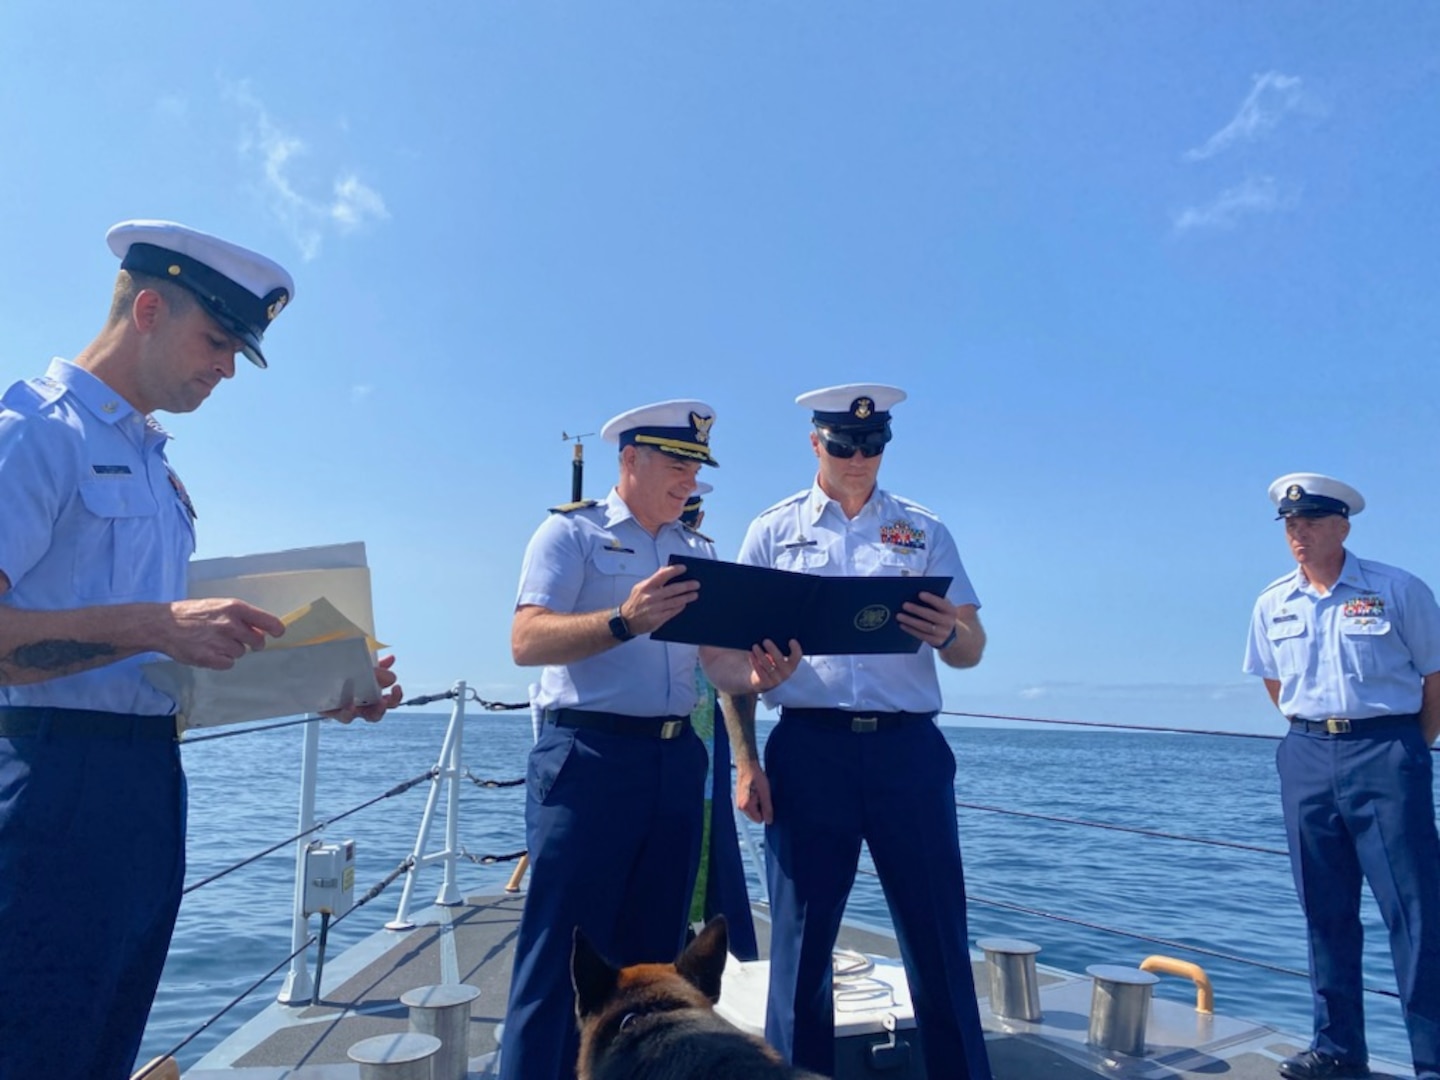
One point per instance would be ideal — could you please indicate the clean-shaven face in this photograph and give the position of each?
(853, 476)
(664, 483)
(187, 355)
(1316, 539)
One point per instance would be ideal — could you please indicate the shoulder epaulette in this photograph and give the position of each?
(911, 504)
(789, 500)
(1380, 569)
(1281, 580)
(571, 507)
(32, 395)
(702, 536)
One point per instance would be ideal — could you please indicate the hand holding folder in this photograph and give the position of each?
(739, 606)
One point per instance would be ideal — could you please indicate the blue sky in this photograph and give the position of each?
(1131, 261)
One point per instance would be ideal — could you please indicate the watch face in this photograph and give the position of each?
(619, 628)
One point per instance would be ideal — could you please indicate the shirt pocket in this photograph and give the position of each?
(1289, 641)
(801, 558)
(612, 573)
(890, 563)
(118, 539)
(1365, 641)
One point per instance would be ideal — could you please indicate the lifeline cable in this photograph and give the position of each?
(1124, 828)
(234, 1001)
(398, 789)
(375, 890)
(1435, 749)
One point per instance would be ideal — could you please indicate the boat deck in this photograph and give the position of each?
(473, 943)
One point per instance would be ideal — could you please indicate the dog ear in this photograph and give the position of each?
(703, 961)
(593, 979)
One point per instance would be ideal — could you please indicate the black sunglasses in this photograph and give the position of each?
(846, 450)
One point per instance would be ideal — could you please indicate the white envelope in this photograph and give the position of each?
(281, 581)
(323, 662)
(270, 683)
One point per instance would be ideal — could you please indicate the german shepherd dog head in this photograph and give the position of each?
(658, 1021)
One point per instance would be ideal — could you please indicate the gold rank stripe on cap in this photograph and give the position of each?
(676, 446)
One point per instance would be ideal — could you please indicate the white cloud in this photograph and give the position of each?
(1271, 98)
(1257, 195)
(354, 203)
(277, 154)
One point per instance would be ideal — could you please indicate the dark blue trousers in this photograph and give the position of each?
(92, 858)
(1362, 805)
(613, 824)
(893, 788)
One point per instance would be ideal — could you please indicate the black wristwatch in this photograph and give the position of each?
(619, 627)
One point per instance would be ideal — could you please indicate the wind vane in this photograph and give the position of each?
(577, 464)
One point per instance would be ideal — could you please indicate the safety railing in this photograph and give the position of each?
(445, 777)
(448, 773)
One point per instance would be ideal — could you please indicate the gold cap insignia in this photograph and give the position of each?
(1294, 493)
(863, 408)
(701, 424)
(278, 306)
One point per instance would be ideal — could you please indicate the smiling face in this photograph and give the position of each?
(655, 486)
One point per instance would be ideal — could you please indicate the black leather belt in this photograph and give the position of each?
(656, 727)
(843, 719)
(33, 721)
(1340, 725)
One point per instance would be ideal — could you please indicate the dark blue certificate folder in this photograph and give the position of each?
(740, 606)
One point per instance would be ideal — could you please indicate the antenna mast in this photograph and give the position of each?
(577, 465)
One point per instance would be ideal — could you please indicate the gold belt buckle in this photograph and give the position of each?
(864, 723)
(671, 728)
(1337, 725)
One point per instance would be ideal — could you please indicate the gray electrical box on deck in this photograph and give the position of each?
(329, 877)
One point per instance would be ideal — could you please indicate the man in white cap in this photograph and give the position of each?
(1350, 653)
(97, 533)
(857, 755)
(693, 516)
(616, 780)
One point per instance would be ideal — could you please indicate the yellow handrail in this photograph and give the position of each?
(513, 885)
(1204, 993)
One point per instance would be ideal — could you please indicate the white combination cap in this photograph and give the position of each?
(242, 290)
(1308, 494)
(679, 428)
(852, 407)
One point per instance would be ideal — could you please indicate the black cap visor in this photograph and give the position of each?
(249, 340)
(1311, 505)
(239, 311)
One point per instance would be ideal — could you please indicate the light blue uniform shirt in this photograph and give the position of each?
(1359, 652)
(890, 537)
(92, 514)
(589, 560)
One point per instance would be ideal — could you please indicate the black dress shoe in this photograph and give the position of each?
(1318, 1065)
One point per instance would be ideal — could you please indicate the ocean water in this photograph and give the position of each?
(244, 797)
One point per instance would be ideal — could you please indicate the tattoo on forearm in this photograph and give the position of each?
(54, 657)
(739, 710)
